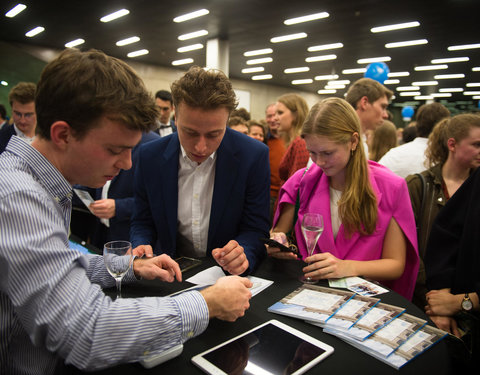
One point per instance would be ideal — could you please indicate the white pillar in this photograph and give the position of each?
(218, 55)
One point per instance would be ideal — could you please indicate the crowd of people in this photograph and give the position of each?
(187, 173)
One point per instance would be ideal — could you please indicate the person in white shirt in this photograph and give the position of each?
(370, 100)
(409, 158)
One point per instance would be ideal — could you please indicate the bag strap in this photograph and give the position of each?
(297, 207)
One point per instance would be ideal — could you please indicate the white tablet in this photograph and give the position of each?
(271, 348)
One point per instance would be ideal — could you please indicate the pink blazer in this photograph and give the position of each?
(393, 201)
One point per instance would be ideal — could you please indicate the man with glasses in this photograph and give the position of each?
(22, 101)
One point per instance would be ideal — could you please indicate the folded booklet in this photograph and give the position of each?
(312, 303)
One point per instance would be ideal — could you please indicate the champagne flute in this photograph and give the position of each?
(118, 257)
(312, 228)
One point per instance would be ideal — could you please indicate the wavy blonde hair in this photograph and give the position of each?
(335, 119)
(456, 127)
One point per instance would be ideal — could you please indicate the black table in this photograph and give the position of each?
(345, 360)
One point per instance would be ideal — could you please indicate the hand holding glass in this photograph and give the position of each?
(312, 228)
(118, 257)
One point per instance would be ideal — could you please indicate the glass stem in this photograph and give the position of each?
(118, 282)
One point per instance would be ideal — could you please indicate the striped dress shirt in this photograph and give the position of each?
(52, 308)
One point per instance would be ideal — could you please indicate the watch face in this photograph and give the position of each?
(467, 305)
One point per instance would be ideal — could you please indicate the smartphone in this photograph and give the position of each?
(187, 263)
(271, 242)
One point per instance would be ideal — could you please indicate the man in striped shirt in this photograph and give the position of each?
(92, 110)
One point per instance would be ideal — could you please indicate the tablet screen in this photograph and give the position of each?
(269, 349)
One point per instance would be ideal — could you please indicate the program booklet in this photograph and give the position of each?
(312, 303)
(376, 318)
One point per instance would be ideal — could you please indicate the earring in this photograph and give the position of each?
(352, 151)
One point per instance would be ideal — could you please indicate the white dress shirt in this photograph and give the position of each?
(406, 159)
(22, 135)
(195, 192)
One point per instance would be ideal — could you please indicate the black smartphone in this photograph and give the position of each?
(271, 242)
(187, 263)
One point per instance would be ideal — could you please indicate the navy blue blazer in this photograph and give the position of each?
(121, 189)
(6, 133)
(240, 202)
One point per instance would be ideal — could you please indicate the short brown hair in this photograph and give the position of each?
(206, 89)
(23, 93)
(368, 87)
(80, 87)
(428, 115)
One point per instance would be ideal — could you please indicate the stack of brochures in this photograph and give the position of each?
(384, 331)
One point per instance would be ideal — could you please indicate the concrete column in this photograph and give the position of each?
(217, 55)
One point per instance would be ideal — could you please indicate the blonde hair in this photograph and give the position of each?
(335, 119)
(384, 138)
(299, 108)
(456, 127)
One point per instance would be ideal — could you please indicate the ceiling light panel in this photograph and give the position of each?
(449, 76)
(325, 92)
(15, 10)
(192, 35)
(425, 83)
(320, 58)
(473, 84)
(297, 70)
(256, 69)
(431, 67)
(189, 48)
(307, 18)
(37, 30)
(369, 60)
(302, 81)
(450, 60)
(259, 61)
(398, 74)
(408, 88)
(264, 51)
(140, 52)
(410, 93)
(324, 47)
(391, 82)
(262, 77)
(464, 46)
(115, 15)
(423, 97)
(326, 77)
(74, 43)
(191, 15)
(451, 89)
(407, 43)
(127, 41)
(182, 62)
(286, 38)
(398, 26)
(354, 71)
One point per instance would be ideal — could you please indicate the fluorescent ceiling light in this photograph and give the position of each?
(35, 31)
(285, 38)
(323, 92)
(191, 47)
(398, 74)
(297, 70)
(354, 71)
(257, 52)
(431, 67)
(261, 77)
(115, 15)
(259, 61)
(408, 88)
(473, 97)
(324, 47)
(182, 62)
(127, 41)
(320, 58)
(326, 77)
(471, 93)
(449, 60)
(453, 89)
(140, 52)
(449, 76)
(410, 93)
(253, 70)
(339, 82)
(476, 69)
(191, 15)
(373, 59)
(15, 10)
(74, 43)
(4, 83)
(302, 81)
(442, 95)
(423, 97)
(334, 87)
(310, 17)
(473, 84)
(464, 46)
(192, 35)
(425, 83)
(407, 43)
(391, 82)
(398, 26)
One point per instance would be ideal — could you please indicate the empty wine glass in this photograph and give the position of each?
(312, 228)
(118, 258)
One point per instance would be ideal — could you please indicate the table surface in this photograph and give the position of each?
(345, 360)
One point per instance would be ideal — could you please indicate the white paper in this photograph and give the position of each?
(315, 299)
(85, 197)
(357, 285)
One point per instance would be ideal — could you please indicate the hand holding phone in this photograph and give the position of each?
(271, 242)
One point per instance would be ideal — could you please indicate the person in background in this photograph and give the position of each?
(369, 228)
(381, 140)
(291, 111)
(165, 124)
(271, 123)
(409, 134)
(92, 110)
(243, 113)
(21, 98)
(238, 124)
(370, 100)
(257, 130)
(410, 157)
(3, 116)
(203, 191)
(453, 153)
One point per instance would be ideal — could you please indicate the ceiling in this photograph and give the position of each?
(249, 25)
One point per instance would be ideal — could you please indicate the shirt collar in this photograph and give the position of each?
(185, 157)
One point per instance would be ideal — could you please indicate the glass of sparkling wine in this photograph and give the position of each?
(312, 228)
(118, 257)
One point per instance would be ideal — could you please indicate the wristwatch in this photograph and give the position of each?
(467, 304)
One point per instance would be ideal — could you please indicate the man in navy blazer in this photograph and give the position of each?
(203, 190)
